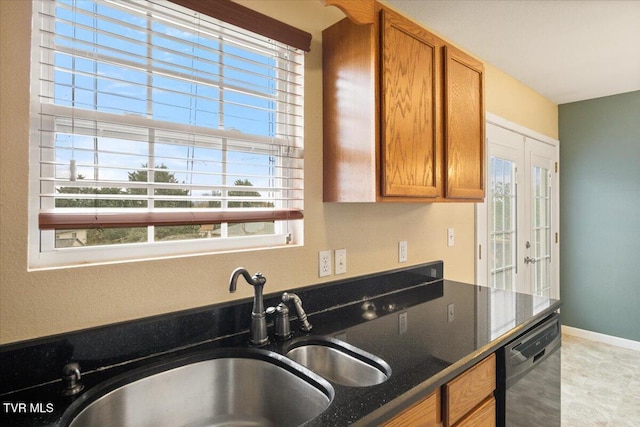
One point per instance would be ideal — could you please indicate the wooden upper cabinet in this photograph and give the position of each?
(359, 11)
(403, 114)
(409, 110)
(350, 126)
(464, 125)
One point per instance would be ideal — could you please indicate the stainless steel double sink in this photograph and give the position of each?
(231, 387)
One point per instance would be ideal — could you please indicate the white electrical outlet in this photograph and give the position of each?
(450, 237)
(402, 251)
(324, 263)
(340, 257)
(450, 313)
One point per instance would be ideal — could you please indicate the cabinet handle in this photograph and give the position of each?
(528, 260)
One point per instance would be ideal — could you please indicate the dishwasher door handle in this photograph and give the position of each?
(513, 372)
(539, 355)
(535, 346)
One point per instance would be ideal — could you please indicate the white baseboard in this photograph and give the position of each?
(606, 339)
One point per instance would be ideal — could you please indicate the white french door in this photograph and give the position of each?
(505, 206)
(517, 223)
(539, 207)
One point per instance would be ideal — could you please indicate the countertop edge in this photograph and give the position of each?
(414, 395)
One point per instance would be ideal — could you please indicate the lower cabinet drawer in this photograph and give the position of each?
(483, 416)
(468, 390)
(465, 401)
(425, 413)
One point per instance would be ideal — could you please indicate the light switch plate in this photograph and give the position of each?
(341, 261)
(450, 237)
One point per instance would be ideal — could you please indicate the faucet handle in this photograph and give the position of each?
(282, 325)
(258, 279)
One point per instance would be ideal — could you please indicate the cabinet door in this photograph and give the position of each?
(350, 128)
(467, 390)
(409, 113)
(464, 125)
(483, 416)
(424, 414)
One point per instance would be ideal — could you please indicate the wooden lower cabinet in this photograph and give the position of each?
(469, 391)
(483, 416)
(425, 413)
(465, 401)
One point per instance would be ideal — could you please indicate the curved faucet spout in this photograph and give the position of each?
(258, 327)
(257, 280)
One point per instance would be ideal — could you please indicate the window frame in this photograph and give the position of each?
(41, 228)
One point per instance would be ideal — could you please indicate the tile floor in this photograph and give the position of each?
(600, 384)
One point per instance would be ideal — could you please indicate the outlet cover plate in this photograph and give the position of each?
(324, 263)
(402, 251)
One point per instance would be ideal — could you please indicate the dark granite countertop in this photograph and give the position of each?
(362, 311)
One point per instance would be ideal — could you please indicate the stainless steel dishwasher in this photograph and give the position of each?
(529, 377)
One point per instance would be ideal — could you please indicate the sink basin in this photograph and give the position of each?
(339, 361)
(238, 387)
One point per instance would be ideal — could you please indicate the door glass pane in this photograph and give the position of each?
(541, 205)
(502, 232)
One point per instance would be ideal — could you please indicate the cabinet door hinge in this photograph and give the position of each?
(557, 238)
(556, 167)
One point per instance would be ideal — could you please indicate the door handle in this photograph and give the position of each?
(528, 260)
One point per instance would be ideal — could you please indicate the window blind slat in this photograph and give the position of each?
(88, 183)
(89, 220)
(284, 97)
(117, 56)
(106, 220)
(131, 126)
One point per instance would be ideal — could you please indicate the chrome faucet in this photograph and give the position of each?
(258, 327)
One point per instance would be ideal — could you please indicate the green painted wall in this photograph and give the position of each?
(600, 214)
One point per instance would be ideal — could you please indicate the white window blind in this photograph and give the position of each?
(153, 124)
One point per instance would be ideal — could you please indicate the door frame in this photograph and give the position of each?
(481, 209)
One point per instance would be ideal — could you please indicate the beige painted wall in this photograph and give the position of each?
(40, 303)
(511, 100)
